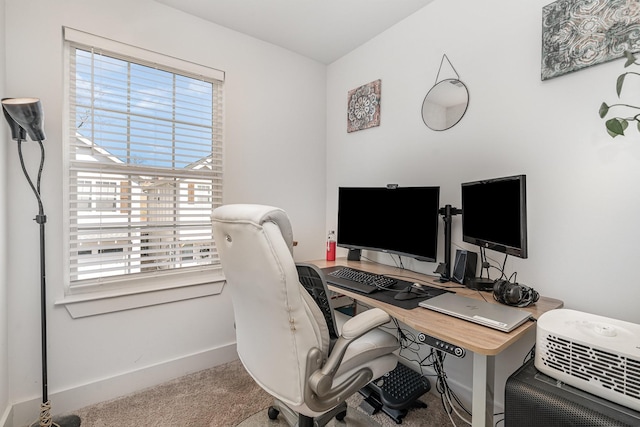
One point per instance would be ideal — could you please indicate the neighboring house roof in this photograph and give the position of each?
(90, 151)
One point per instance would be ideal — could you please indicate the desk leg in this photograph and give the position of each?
(482, 393)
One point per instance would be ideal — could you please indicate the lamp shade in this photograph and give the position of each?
(28, 114)
(17, 133)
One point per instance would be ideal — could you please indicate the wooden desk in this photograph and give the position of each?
(485, 343)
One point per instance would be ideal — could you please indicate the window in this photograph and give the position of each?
(144, 165)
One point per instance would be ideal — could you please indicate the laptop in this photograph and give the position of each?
(496, 316)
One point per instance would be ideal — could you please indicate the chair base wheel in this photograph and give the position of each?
(282, 412)
(273, 413)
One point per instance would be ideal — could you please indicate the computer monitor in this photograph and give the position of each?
(398, 220)
(494, 214)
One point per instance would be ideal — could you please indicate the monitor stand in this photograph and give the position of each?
(444, 269)
(441, 269)
(354, 254)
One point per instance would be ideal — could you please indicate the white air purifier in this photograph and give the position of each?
(593, 353)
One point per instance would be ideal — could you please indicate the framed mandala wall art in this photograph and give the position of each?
(363, 107)
(580, 33)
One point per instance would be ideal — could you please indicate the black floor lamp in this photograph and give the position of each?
(25, 116)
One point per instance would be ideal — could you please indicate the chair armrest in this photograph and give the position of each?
(364, 322)
(321, 381)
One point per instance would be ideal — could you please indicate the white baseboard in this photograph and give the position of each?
(67, 401)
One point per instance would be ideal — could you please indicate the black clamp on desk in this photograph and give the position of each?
(394, 393)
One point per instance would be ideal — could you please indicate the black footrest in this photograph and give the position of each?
(395, 392)
(401, 387)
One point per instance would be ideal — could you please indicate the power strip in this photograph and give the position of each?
(442, 345)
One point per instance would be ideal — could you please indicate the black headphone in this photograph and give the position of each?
(514, 294)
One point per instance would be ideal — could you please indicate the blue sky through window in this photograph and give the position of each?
(143, 115)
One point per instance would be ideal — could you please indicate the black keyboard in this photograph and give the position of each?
(358, 280)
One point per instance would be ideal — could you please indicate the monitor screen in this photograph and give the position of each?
(402, 220)
(494, 214)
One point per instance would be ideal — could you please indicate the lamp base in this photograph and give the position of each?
(62, 421)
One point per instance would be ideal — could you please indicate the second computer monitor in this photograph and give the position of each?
(494, 214)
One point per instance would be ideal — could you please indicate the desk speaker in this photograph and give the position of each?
(464, 267)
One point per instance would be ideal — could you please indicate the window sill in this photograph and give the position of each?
(114, 300)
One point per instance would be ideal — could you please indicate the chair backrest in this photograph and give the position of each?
(313, 281)
(277, 321)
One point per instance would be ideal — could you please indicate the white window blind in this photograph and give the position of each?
(145, 167)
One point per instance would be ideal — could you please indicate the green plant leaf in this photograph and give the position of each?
(616, 126)
(620, 82)
(624, 123)
(604, 109)
(630, 58)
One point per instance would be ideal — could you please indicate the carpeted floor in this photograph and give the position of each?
(226, 396)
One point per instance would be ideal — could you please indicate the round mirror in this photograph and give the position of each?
(445, 104)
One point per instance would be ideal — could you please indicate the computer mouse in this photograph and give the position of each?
(405, 295)
(411, 293)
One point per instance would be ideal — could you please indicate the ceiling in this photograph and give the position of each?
(324, 30)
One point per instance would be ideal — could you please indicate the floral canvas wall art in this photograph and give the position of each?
(363, 107)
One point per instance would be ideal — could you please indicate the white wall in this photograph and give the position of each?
(275, 154)
(582, 186)
(4, 340)
(582, 198)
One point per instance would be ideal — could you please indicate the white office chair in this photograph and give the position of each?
(283, 335)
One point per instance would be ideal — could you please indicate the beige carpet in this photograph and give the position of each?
(431, 416)
(226, 396)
